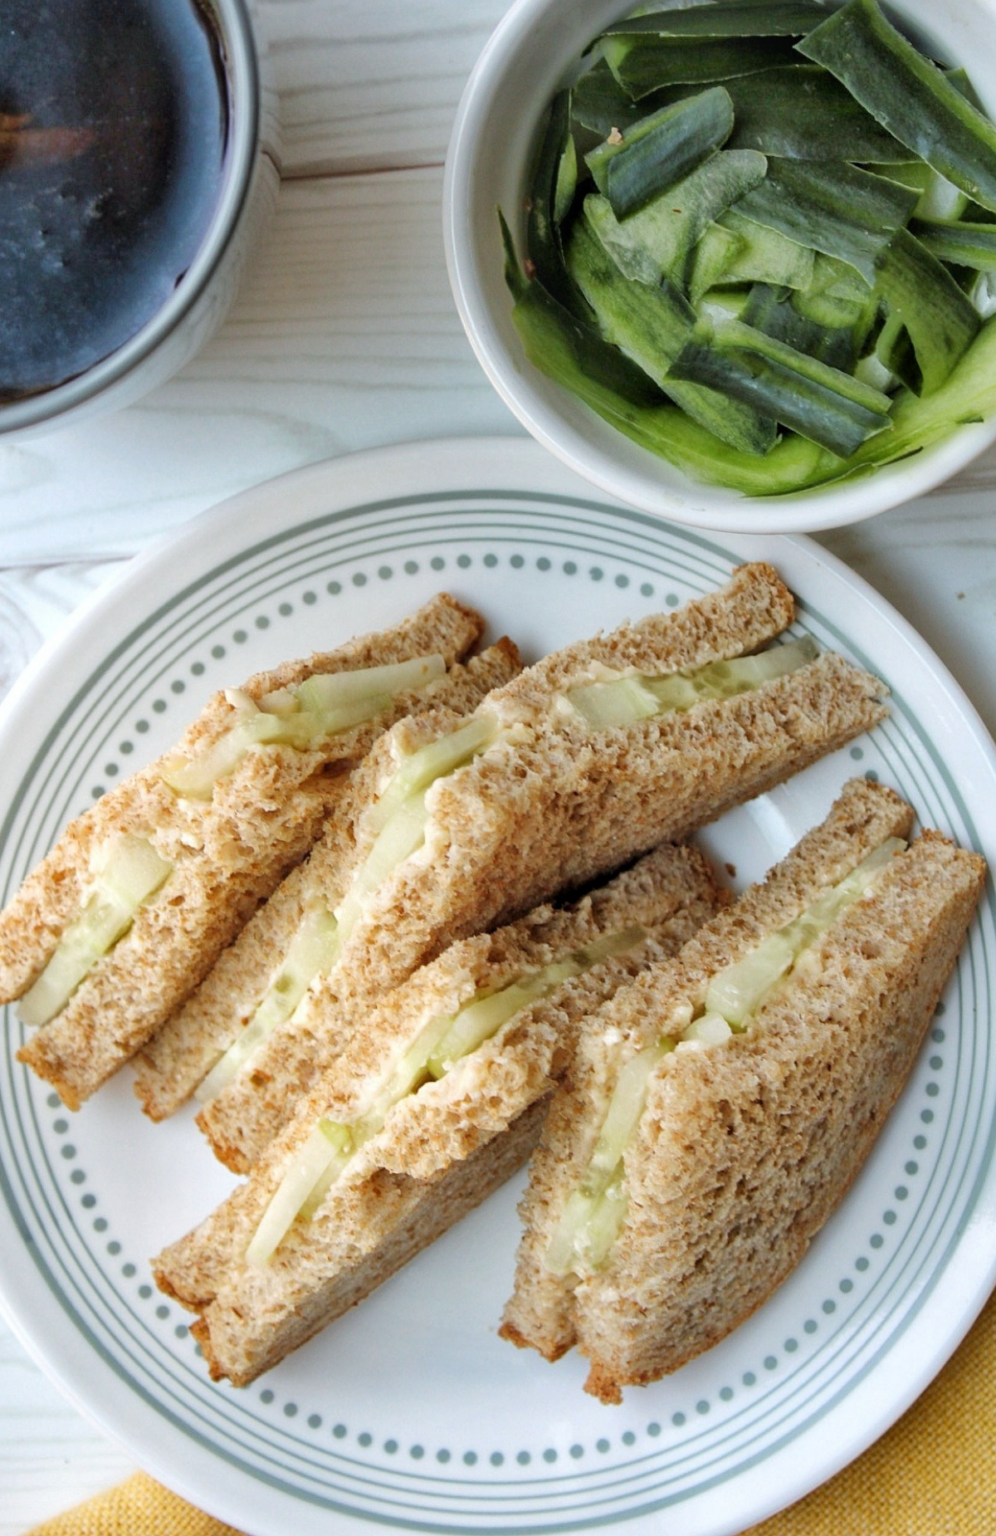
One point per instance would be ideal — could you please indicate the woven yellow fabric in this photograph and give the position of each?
(933, 1474)
(137, 1507)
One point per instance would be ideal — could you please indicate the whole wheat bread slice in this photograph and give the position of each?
(442, 1148)
(228, 853)
(744, 1149)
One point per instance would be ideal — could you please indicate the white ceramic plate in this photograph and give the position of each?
(410, 1412)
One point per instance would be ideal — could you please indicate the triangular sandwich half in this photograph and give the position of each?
(719, 1108)
(437, 1099)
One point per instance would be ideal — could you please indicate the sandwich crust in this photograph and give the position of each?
(442, 1148)
(554, 806)
(744, 1149)
(228, 853)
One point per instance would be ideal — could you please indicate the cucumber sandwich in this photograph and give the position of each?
(718, 1108)
(121, 921)
(581, 763)
(436, 1099)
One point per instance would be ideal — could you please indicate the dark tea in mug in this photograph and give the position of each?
(114, 122)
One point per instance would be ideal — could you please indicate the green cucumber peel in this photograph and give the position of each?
(820, 221)
(800, 112)
(566, 348)
(940, 320)
(765, 255)
(643, 64)
(725, 18)
(958, 240)
(552, 186)
(663, 150)
(832, 207)
(772, 311)
(826, 405)
(911, 96)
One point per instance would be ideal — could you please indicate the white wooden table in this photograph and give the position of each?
(345, 336)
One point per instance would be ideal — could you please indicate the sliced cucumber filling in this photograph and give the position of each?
(321, 1156)
(623, 700)
(435, 1050)
(322, 706)
(313, 950)
(594, 1212)
(400, 817)
(127, 872)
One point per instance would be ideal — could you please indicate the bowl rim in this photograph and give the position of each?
(236, 38)
(697, 504)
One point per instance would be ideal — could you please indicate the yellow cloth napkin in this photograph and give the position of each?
(933, 1474)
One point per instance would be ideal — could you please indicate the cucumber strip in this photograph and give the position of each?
(127, 872)
(645, 126)
(552, 185)
(626, 699)
(313, 950)
(829, 302)
(958, 240)
(652, 322)
(726, 18)
(765, 255)
(915, 174)
(823, 404)
(711, 258)
(652, 326)
(538, 313)
(658, 241)
(894, 351)
(665, 148)
(941, 321)
(735, 335)
(772, 311)
(801, 112)
(909, 94)
(831, 207)
(599, 103)
(642, 65)
(967, 395)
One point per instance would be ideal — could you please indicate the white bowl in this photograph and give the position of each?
(486, 167)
